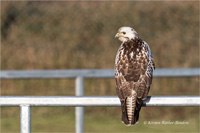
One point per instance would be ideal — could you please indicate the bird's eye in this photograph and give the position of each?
(124, 33)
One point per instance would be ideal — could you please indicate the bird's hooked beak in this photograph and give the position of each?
(117, 35)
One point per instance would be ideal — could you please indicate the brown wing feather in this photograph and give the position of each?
(132, 81)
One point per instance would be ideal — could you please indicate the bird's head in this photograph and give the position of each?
(126, 33)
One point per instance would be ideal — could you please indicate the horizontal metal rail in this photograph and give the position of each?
(79, 101)
(92, 73)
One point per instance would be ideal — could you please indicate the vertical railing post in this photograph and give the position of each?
(79, 123)
(25, 119)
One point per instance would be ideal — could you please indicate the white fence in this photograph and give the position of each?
(25, 102)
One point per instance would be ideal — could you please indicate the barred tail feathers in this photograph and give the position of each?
(130, 113)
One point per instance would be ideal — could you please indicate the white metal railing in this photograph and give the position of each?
(92, 73)
(80, 101)
(25, 102)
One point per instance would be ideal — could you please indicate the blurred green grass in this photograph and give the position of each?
(78, 35)
(100, 120)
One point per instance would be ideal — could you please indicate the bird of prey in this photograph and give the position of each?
(134, 67)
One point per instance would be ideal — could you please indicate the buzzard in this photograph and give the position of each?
(133, 73)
